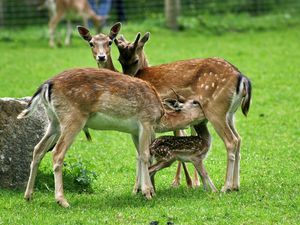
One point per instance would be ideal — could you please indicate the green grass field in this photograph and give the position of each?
(270, 164)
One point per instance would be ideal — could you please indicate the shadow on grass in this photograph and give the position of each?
(45, 183)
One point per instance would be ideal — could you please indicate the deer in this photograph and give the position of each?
(102, 99)
(101, 45)
(59, 8)
(165, 150)
(101, 48)
(217, 84)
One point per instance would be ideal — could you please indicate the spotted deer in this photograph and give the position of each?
(101, 45)
(165, 150)
(101, 99)
(217, 84)
(60, 8)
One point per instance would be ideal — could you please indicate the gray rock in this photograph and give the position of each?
(17, 140)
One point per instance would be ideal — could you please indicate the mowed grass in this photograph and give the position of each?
(270, 163)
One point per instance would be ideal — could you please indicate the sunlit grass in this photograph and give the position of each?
(270, 162)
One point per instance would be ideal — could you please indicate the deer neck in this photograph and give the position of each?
(108, 64)
(143, 61)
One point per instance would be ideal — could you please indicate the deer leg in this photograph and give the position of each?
(146, 133)
(204, 176)
(157, 167)
(68, 33)
(52, 26)
(68, 134)
(39, 152)
(177, 178)
(231, 143)
(196, 182)
(236, 173)
(137, 184)
(188, 178)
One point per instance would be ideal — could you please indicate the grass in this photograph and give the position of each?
(270, 179)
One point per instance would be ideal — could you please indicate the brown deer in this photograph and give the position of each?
(218, 85)
(167, 149)
(101, 48)
(59, 8)
(101, 45)
(103, 100)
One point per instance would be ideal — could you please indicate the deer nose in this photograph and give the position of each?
(101, 58)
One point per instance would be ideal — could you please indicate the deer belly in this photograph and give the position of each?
(101, 121)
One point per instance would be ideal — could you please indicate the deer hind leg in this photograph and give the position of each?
(177, 178)
(54, 20)
(68, 134)
(231, 142)
(204, 176)
(39, 152)
(236, 172)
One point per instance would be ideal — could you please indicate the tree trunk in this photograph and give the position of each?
(172, 11)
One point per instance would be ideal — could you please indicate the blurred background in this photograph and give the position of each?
(212, 15)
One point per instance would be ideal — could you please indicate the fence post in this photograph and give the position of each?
(172, 11)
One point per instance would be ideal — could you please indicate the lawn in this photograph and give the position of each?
(270, 171)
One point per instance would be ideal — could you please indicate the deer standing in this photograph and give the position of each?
(103, 100)
(167, 149)
(218, 85)
(59, 8)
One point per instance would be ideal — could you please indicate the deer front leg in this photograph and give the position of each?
(137, 184)
(177, 178)
(68, 33)
(146, 133)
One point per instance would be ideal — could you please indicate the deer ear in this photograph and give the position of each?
(144, 39)
(114, 30)
(172, 104)
(137, 38)
(84, 33)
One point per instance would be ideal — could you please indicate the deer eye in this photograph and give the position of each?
(91, 44)
(110, 42)
(135, 62)
(196, 102)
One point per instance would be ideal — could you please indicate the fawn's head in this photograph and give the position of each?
(100, 43)
(132, 56)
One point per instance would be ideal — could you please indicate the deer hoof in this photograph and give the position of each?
(28, 197)
(63, 203)
(175, 183)
(226, 189)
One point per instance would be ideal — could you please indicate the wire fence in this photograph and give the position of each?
(25, 12)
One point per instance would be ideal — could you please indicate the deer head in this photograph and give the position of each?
(179, 113)
(101, 44)
(132, 57)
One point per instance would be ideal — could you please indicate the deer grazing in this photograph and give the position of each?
(59, 8)
(101, 99)
(167, 149)
(218, 85)
(101, 45)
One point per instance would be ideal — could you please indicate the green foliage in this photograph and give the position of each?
(81, 170)
(270, 160)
